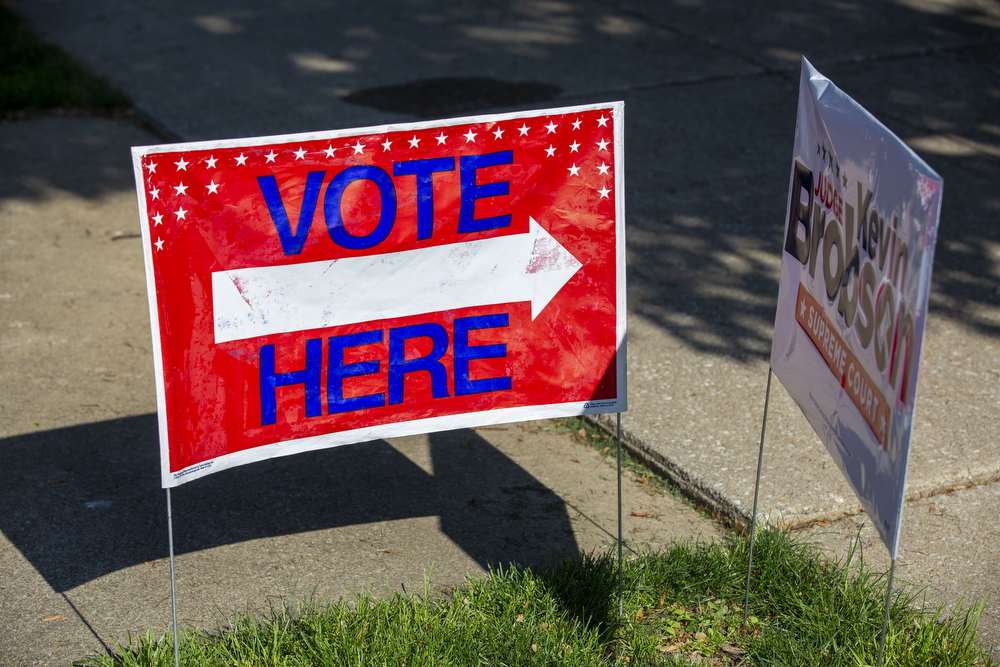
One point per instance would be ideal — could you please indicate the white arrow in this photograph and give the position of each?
(248, 303)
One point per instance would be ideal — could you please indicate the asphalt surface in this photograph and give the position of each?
(710, 91)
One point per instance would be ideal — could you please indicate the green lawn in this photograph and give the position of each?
(682, 606)
(35, 76)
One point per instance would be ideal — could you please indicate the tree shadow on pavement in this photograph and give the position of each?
(705, 231)
(710, 90)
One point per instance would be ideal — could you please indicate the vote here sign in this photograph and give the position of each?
(860, 233)
(315, 290)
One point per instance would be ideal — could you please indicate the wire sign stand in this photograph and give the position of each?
(173, 580)
(756, 490)
(620, 594)
(753, 532)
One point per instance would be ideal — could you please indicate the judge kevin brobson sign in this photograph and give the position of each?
(858, 247)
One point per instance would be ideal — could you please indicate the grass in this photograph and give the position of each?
(681, 606)
(35, 76)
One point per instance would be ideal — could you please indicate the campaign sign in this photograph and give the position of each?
(859, 243)
(315, 290)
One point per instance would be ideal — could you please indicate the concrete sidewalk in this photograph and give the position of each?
(710, 91)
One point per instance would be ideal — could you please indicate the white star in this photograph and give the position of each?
(576, 124)
(603, 169)
(159, 219)
(414, 142)
(441, 137)
(574, 170)
(574, 147)
(213, 187)
(182, 165)
(498, 133)
(802, 308)
(211, 162)
(152, 167)
(180, 213)
(523, 130)
(330, 150)
(602, 146)
(270, 156)
(550, 151)
(603, 121)
(181, 189)
(155, 192)
(300, 154)
(242, 159)
(359, 148)
(470, 136)
(551, 127)
(604, 192)
(159, 244)
(386, 145)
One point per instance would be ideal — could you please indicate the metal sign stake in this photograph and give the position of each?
(885, 619)
(756, 493)
(173, 588)
(620, 596)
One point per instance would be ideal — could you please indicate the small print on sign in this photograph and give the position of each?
(323, 289)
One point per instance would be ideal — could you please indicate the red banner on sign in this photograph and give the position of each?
(844, 365)
(316, 290)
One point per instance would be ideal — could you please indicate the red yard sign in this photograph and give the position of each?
(315, 290)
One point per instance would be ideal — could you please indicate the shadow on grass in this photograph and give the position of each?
(587, 590)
